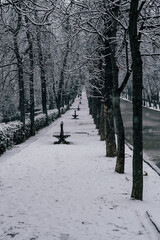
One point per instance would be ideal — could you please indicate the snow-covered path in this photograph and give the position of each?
(71, 192)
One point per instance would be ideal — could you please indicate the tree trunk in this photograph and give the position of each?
(61, 82)
(21, 82)
(43, 77)
(149, 100)
(120, 163)
(31, 79)
(110, 134)
(90, 105)
(137, 188)
(98, 114)
(58, 103)
(116, 99)
(94, 109)
(102, 124)
(108, 105)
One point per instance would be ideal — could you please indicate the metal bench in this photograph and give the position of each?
(61, 137)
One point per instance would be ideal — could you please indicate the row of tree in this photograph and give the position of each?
(123, 40)
(49, 48)
(36, 56)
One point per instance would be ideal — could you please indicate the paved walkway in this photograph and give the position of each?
(71, 192)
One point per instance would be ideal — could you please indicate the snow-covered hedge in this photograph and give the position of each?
(11, 133)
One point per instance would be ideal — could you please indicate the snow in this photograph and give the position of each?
(71, 192)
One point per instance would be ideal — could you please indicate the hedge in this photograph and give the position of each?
(12, 133)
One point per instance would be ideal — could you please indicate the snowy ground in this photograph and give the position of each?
(71, 192)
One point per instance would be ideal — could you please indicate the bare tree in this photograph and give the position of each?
(137, 190)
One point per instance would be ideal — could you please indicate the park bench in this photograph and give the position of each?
(75, 115)
(61, 137)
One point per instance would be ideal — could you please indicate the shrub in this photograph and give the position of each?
(12, 133)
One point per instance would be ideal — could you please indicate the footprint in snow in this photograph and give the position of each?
(64, 236)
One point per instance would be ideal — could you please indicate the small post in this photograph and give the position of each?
(78, 108)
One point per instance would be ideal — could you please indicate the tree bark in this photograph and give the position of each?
(42, 74)
(102, 124)
(98, 106)
(31, 79)
(137, 188)
(61, 82)
(108, 104)
(120, 163)
(21, 82)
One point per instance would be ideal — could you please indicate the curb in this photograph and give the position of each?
(153, 166)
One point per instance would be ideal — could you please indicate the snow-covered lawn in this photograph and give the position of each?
(71, 192)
